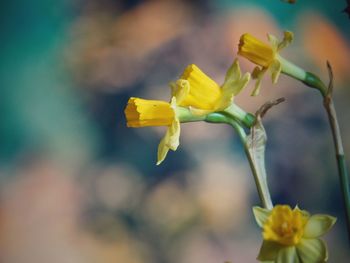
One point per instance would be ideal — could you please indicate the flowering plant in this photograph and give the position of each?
(289, 235)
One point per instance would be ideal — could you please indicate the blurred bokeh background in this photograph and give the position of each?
(76, 185)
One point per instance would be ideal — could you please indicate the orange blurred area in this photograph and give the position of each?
(323, 41)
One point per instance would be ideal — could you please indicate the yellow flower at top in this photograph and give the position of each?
(203, 95)
(142, 113)
(292, 235)
(264, 55)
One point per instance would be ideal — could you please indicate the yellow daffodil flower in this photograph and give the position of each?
(266, 56)
(203, 95)
(292, 236)
(142, 113)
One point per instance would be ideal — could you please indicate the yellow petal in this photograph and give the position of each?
(273, 41)
(269, 251)
(275, 69)
(258, 74)
(170, 141)
(287, 39)
(288, 255)
(261, 215)
(318, 225)
(180, 90)
(255, 50)
(312, 251)
(141, 113)
(234, 72)
(232, 86)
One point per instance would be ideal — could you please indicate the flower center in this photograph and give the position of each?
(285, 226)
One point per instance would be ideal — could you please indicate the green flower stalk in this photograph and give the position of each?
(267, 57)
(254, 148)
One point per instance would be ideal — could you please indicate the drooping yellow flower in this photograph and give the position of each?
(266, 56)
(292, 235)
(142, 113)
(203, 95)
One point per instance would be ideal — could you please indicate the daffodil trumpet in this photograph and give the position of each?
(292, 235)
(142, 113)
(267, 57)
(202, 95)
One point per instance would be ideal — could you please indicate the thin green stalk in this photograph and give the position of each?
(340, 156)
(258, 171)
(314, 81)
(328, 104)
(235, 112)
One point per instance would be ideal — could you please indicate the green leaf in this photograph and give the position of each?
(269, 251)
(288, 255)
(312, 251)
(261, 215)
(318, 225)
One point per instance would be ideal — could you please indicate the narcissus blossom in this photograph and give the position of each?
(203, 95)
(266, 56)
(142, 113)
(292, 236)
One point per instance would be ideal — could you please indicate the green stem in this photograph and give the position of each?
(344, 182)
(340, 156)
(314, 81)
(258, 171)
(235, 112)
(298, 73)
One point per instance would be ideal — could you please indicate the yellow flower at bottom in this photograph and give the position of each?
(264, 55)
(285, 226)
(142, 113)
(203, 95)
(292, 236)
